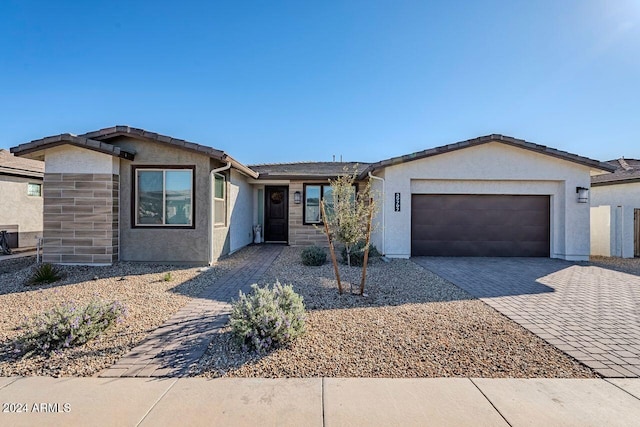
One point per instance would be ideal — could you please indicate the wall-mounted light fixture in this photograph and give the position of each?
(583, 194)
(297, 197)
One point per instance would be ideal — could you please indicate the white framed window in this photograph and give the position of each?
(163, 197)
(34, 190)
(219, 200)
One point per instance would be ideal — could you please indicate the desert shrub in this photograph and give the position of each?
(45, 273)
(68, 325)
(167, 277)
(313, 255)
(267, 318)
(357, 254)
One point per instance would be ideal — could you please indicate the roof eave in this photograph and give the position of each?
(127, 131)
(615, 182)
(240, 167)
(507, 140)
(68, 139)
(20, 173)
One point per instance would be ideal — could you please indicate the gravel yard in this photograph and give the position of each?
(140, 287)
(411, 324)
(626, 265)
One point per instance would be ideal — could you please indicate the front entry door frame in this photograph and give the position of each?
(276, 230)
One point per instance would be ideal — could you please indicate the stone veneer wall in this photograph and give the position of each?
(80, 218)
(299, 233)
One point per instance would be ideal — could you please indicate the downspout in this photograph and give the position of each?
(384, 240)
(213, 205)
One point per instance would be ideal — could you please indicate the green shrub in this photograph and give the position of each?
(45, 273)
(267, 318)
(167, 277)
(68, 326)
(357, 254)
(313, 255)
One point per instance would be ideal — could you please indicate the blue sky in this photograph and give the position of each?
(279, 81)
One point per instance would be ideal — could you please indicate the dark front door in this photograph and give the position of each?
(276, 218)
(480, 225)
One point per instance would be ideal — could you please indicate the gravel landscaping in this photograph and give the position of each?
(626, 265)
(412, 323)
(140, 287)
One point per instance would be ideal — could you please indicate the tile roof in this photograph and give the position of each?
(626, 170)
(521, 143)
(306, 170)
(67, 138)
(97, 141)
(12, 165)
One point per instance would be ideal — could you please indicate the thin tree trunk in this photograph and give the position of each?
(331, 249)
(366, 250)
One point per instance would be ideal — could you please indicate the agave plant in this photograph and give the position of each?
(45, 273)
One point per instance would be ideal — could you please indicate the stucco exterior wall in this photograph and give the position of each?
(240, 207)
(492, 168)
(71, 159)
(18, 208)
(177, 245)
(378, 232)
(623, 199)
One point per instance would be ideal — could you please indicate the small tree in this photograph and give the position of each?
(347, 217)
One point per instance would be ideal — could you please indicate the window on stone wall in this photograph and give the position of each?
(34, 190)
(164, 197)
(312, 196)
(219, 201)
(313, 193)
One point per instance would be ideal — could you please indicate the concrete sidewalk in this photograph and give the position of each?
(318, 401)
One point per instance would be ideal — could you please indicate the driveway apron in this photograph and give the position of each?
(181, 341)
(590, 313)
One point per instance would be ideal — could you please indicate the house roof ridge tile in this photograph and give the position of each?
(303, 162)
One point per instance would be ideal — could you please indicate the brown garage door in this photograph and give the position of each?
(479, 225)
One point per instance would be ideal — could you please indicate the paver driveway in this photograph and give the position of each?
(590, 313)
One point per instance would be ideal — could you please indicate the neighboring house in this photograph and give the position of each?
(20, 199)
(127, 194)
(615, 210)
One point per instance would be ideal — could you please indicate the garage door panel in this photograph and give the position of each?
(528, 233)
(480, 225)
(481, 248)
(477, 234)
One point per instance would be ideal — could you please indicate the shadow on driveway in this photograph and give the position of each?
(496, 277)
(589, 312)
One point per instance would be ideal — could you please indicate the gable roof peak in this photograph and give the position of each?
(494, 137)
